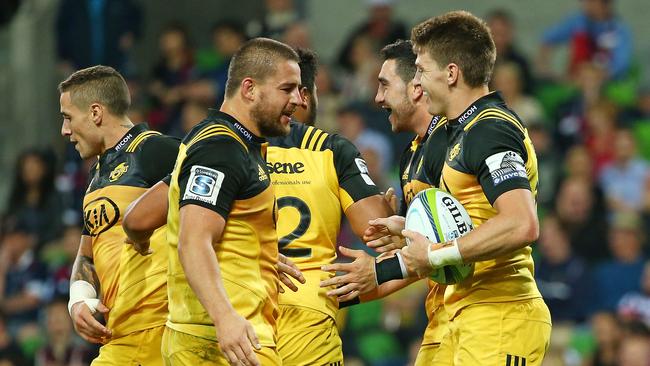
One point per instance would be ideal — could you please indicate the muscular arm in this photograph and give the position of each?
(83, 268)
(362, 211)
(147, 213)
(199, 229)
(514, 227)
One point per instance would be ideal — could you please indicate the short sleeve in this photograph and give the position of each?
(157, 157)
(212, 173)
(352, 171)
(494, 151)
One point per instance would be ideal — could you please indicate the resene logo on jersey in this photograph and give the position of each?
(204, 185)
(285, 168)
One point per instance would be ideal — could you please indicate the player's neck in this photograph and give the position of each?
(241, 113)
(116, 129)
(462, 98)
(420, 121)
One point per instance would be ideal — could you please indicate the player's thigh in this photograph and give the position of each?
(308, 337)
(138, 348)
(180, 349)
(426, 354)
(495, 334)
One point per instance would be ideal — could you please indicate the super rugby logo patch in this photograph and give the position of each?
(506, 165)
(204, 185)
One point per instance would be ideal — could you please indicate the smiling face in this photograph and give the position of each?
(79, 127)
(393, 96)
(433, 80)
(278, 96)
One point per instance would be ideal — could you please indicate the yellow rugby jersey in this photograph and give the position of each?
(221, 166)
(316, 176)
(489, 153)
(132, 286)
(420, 168)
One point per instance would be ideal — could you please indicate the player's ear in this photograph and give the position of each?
(247, 89)
(96, 113)
(453, 74)
(415, 91)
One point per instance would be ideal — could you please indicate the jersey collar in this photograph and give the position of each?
(493, 98)
(239, 128)
(128, 137)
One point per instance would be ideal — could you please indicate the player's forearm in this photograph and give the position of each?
(147, 213)
(83, 268)
(498, 236)
(369, 208)
(204, 277)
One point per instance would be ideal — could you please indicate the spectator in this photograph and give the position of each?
(22, 277)
(329, 100)
(34, 197)
(60, 349)
(634, 351)
(503, 30)
(508, 80)
(578, 212)
(600, 132)
(279, 15)
(595, 34)
(571, 115)
(624, 180)
(212, 65)
(59, 257)
(548, 165)
(562, 277)
(297, 35)
(93, 32)
(170, 75)
(622, 273)
(192, 113)
(352, 126)
(360, 80)
(635, 306)
(607, 330)
(10, 352)
(380, 29)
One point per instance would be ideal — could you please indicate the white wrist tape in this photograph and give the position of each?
(449, 255)
(83, 291)
(402, 266)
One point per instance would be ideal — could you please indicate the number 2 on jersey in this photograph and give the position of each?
(300, 230)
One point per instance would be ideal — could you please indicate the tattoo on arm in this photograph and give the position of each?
(84, 270)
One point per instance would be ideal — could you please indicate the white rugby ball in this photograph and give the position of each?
(439, 216)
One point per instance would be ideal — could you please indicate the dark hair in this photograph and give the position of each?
(98, 84)
(18, 195)
(308, 67)
(256, 59)
(461, 38)
(402, 52)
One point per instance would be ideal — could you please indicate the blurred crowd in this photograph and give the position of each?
(590, 124)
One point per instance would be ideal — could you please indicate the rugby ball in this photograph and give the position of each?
(440, 217)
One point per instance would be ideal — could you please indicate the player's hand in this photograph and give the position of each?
(391, 198)
(360, 277)
(416, 255)
(287, 268)
(142, 248)
(87, 326)
(385, 234)
(237, 338)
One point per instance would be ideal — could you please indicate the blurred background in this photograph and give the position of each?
(577, 72)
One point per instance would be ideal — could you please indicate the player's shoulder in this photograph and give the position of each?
(301, 136)
(216, 133)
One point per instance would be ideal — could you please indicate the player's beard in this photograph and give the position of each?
(401, 114)
(269, 120)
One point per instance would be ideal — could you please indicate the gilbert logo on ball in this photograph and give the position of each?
(440, 217)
